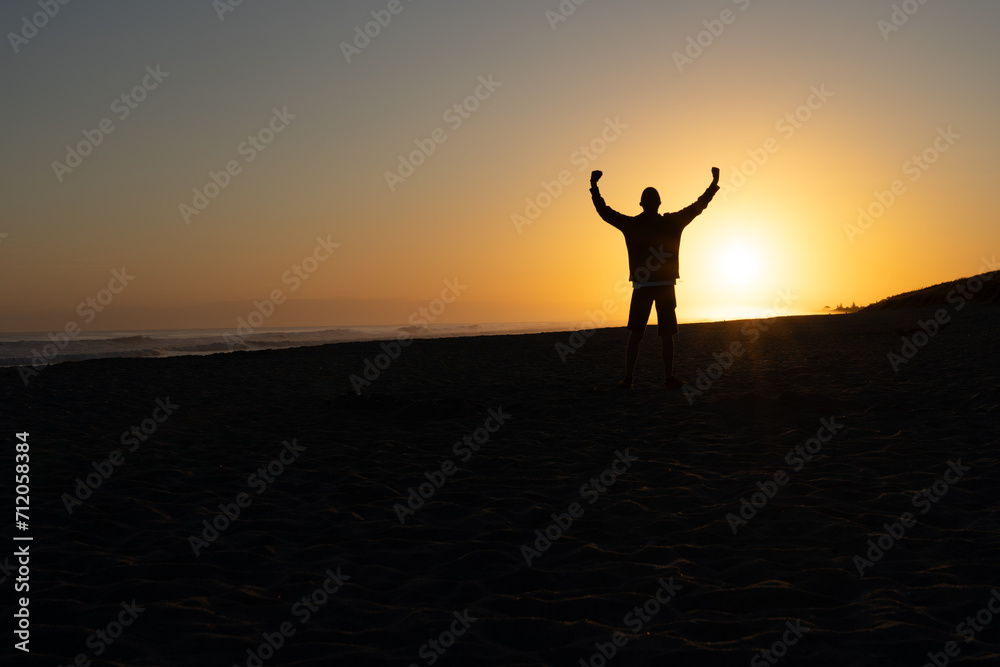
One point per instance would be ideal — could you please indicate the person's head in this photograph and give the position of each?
(650, 200)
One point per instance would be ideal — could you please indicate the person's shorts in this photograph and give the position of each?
(643, 299)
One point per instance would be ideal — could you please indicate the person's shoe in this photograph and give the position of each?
(674, 383)
(625, 384)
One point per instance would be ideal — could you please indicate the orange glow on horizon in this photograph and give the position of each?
(849, 173)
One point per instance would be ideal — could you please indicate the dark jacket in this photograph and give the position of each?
(653, 239)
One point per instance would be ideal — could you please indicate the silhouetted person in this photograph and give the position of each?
(653, 241)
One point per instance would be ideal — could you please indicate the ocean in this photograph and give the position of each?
(43, 348)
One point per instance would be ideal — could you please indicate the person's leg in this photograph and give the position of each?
(632, 353)
(666, 316)
(638, 315)
(668, 356)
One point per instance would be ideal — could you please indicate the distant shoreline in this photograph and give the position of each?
(40, 350)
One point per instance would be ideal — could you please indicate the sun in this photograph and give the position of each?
(739, 265)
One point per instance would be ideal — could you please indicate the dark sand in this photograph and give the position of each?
(663, 518)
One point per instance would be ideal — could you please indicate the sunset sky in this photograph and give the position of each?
(811, 110)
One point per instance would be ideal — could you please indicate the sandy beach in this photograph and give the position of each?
(484, 502)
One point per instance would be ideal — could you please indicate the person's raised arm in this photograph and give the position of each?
(595, 191)
(609, 215)
(692, 211)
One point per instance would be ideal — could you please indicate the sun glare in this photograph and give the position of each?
(738, 265)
